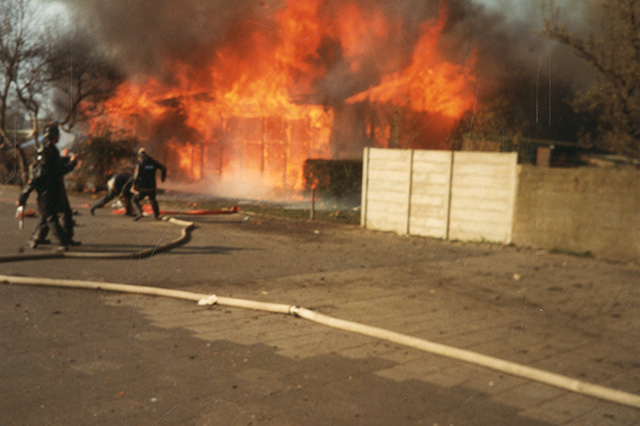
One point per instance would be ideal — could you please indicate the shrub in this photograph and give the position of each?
(101, 157)
(334, 178)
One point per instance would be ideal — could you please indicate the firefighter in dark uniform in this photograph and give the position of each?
(47, 178)
(62, 165)
(118, 186)
(144, 182)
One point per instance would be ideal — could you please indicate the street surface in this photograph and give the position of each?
(90, 357)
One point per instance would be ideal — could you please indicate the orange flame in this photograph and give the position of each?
(246, 111)
(428, 84)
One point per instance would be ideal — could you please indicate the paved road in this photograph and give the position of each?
(76, 357)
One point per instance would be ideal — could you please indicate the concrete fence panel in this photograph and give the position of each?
(386, 181)
(441, 194)
(483, 194)
(430, 189)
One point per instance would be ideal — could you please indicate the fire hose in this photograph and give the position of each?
(185, 237)
(507, 367)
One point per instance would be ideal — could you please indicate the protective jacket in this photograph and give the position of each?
(47, 178)
(120, 184)
(144, 177)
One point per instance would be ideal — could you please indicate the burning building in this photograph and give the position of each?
(246, 92)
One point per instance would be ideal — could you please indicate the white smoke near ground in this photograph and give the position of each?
(246, 186)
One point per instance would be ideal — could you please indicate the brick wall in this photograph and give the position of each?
(579, 210)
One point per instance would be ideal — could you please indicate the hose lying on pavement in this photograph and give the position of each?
(184, 238)
(503, 366)
(199, 212)
(497, 364)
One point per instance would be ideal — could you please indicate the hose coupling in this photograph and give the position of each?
(293, 310)
(208, 301)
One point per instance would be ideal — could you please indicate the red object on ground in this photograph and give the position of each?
(147, 209)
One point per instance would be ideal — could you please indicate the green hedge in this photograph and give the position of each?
(334, 178)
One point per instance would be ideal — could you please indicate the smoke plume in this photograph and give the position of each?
(347, 50)
(145, 34)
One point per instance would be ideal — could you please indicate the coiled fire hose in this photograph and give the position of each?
(507, 367)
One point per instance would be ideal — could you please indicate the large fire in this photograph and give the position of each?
(254, 111)
(428, 84)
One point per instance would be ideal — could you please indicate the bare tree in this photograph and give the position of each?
(19, 44)
(44, 65)
(614, 52)
(15, 47)
(33, 83)
(84, 77)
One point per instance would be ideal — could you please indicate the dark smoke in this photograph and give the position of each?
(144, 34)
(514, 59)
(518, 64)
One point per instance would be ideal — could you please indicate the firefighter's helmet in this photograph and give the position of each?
(51, 132)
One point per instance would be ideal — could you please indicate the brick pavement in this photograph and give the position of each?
(86, 357)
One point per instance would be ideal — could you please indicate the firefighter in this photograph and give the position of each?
(119, 185)
(47, 178)
(61, 166)
(144, 182)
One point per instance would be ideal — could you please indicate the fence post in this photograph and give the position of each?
(365, 188)
(451, 164)
(409, 190)
(312, 214)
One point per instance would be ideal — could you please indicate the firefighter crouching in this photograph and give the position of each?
(119, 185)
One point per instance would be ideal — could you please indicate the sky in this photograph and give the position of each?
(515, 8)
(572, 11)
